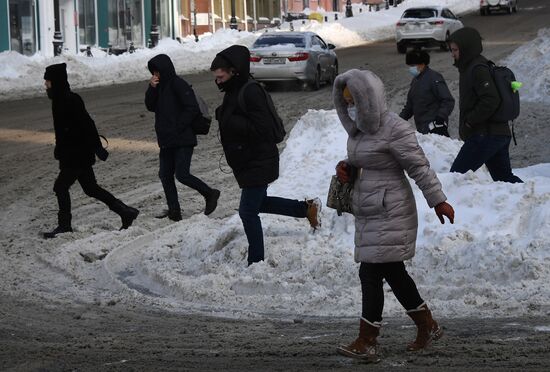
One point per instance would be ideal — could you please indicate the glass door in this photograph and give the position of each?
(125, 23)
(86, 22)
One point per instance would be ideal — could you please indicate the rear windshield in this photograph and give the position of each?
(266, 41)
(420, 13)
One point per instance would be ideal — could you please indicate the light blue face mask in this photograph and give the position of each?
(413, 71)
(352, 112)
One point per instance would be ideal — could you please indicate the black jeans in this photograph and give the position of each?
(254, 200)
(402, 285)
(86, 177)
(489, 150)
(177, 161)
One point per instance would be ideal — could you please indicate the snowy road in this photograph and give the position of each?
(55, 320)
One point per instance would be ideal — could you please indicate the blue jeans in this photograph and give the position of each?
(177, 161)
(254, 200)
(489, 150)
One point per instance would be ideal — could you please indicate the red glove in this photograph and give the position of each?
(343, 172)
(445, 209)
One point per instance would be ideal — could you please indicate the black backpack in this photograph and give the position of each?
(279, 132)
(509, 98)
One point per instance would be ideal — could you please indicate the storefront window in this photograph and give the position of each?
(163, 18)
(22, 26)
(125, 23)
(86, 22)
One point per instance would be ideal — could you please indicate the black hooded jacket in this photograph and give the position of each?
(76, 137)
(479, 97)
(246, 137)
(174, 104)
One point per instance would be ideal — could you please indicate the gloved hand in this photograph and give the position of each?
(439, 120)
(445, 209)
(343, 171)
(101, 153)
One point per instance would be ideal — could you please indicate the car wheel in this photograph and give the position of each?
(482, 12)
(488, 11)
(334, 73)
(316, 83)
(401, 48)
(445, 45)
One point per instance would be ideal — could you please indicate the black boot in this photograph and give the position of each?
(127, 214)
(211, 201)
(173, 214)
(63, 225)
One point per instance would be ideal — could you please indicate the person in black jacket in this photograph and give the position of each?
(485, 141)
(76, 145)
(429, 99)
(175, 107)
(250, 149)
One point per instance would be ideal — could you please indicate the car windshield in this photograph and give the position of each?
(420, 13)
(267, 41)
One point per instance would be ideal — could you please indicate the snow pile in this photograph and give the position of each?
(23, 76)
(495, 259)
(531, 65)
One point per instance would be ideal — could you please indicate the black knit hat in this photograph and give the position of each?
(56, 73)
(220, 62)
(417, 57)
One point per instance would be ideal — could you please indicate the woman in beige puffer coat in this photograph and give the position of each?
(381, 146)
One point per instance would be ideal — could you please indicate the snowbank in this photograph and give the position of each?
(495, 259)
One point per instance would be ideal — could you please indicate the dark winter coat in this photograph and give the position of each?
(479, 97)
(174, 104)
(428, 98)
(246, 137)
(76, 137)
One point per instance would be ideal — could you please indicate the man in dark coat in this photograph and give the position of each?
(250, 149)
(76, 145)
(175, 107)
(485, 141)
(429, 99)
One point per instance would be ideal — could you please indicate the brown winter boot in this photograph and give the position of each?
(365, 346)
(313, 213)
(427, 329)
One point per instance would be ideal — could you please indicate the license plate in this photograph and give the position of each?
(274, 61)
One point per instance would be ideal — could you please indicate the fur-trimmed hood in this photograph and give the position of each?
(369, 95)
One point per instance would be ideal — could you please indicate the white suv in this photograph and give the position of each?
(486, 6)
(425, 26)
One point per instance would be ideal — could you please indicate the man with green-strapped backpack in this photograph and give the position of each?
(488, 103)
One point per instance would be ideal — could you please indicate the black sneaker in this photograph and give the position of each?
(211, 202)
(57, 230)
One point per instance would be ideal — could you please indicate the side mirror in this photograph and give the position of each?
(331, 46)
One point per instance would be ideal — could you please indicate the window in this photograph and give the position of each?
(22, 26)
(125, 23)
(270, 40)
(86, 22)
(420, 13)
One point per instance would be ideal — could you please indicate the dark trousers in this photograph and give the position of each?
(177, 161)
(489, 150)
(254, 200)
(86, 178)
(402, 285)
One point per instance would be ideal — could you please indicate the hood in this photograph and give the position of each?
(369, 95)
(469, 45)
(238, 56)
(57, 74)
(163, 64)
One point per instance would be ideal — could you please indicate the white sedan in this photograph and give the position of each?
(425, 26)
(293, 56)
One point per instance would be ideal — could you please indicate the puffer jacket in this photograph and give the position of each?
(174, 104)
(382, 146)
(246, 137)
(479, 97)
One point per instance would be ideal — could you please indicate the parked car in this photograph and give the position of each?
(487, 6)
(425, 26)
(293, 56)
